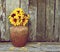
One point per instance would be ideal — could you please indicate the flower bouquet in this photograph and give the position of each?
(19, 29)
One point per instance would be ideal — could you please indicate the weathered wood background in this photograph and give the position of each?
(44, 23)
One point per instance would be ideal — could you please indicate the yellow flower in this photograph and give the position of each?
(24, 22)
(19, 22)
(15, 21)
(18, 17)
(25, 19)
(19, 11)
(12, 15)
(26, 16)
(11, 21)
(9, 17)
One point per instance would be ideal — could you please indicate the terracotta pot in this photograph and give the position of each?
(19, 35)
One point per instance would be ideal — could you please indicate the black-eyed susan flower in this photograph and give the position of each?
(24, 21)
(26, 16)
(18, 17)
(13, 21)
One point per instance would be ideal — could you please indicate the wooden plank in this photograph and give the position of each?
(3, 20)
(0, 18)
(24, 5)
(50, 20)
(56, 35)
(33, 19)
(10, 6)
(41, 21)
(58, 18)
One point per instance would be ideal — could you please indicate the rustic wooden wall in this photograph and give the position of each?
(33, 20)
(50, 19)
(44, 23)
(58, 19)
(41, 20)
(2, 19)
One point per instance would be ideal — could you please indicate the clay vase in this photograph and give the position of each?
(19, 35)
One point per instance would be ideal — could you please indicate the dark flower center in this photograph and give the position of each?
(13, 15)
(15, 20)
(18, 11)
(25, 14)
(19, 17)
(23, 20)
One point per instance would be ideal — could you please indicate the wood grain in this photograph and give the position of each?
(56, 32)
(58, 18)
(0, 18)
(24, 5)
(33, 20)
(50, 20)
(41, 21)
(3, 20)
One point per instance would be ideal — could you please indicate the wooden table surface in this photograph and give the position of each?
(31, 47)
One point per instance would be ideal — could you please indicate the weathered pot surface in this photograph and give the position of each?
(19, 35)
